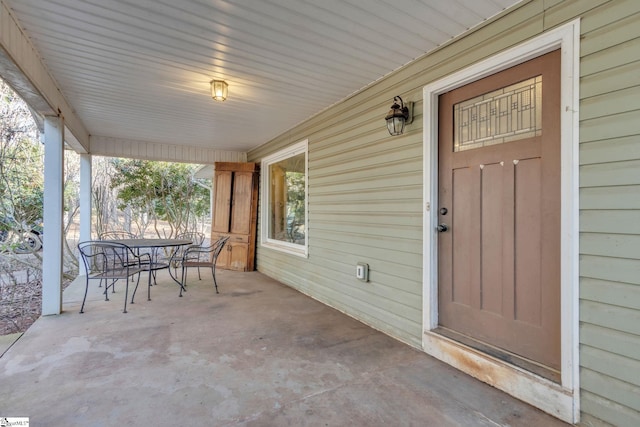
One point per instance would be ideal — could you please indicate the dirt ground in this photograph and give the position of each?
(20, 305)
(21, 287)
(21, 299)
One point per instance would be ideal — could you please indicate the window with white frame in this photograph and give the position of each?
(284, 200)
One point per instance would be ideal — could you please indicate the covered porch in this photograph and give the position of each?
(135, 79)
(259, 353)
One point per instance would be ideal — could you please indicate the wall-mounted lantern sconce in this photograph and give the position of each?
(398, 116)
(219, 90)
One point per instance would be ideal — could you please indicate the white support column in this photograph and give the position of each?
(85, 202)
(53, 210)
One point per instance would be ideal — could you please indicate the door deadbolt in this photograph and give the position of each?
(443, 211)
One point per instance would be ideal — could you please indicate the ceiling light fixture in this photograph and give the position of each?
(219, 90)
(398, 116)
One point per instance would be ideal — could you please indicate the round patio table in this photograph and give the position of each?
(155, 245)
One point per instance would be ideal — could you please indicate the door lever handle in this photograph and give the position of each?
(442, 228)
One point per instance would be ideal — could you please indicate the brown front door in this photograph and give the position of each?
(499, 197)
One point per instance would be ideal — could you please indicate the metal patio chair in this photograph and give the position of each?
(196, 238)
(151, 265)
(202, 256)
(109, 262)
(117, 235)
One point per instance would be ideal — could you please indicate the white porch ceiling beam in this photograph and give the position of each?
(145, 150)
(22, 68)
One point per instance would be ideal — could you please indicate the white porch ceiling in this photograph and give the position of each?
(140, 69)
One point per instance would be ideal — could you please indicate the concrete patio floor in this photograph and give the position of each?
(257, 354)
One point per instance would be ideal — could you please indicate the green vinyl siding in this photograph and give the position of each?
(365, 205)
(610, 214)
(365, 195)
(619, 149)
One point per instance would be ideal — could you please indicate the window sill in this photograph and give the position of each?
(287, 248)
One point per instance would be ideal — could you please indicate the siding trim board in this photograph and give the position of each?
(561, 401)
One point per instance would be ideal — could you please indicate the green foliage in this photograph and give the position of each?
(164, 191)
(21, 160)
(295, 195)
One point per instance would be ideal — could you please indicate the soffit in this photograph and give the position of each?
(140, 69)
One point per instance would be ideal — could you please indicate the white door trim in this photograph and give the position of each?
(560, 400)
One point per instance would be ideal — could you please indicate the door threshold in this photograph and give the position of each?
(538, 391)
(498, 353)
